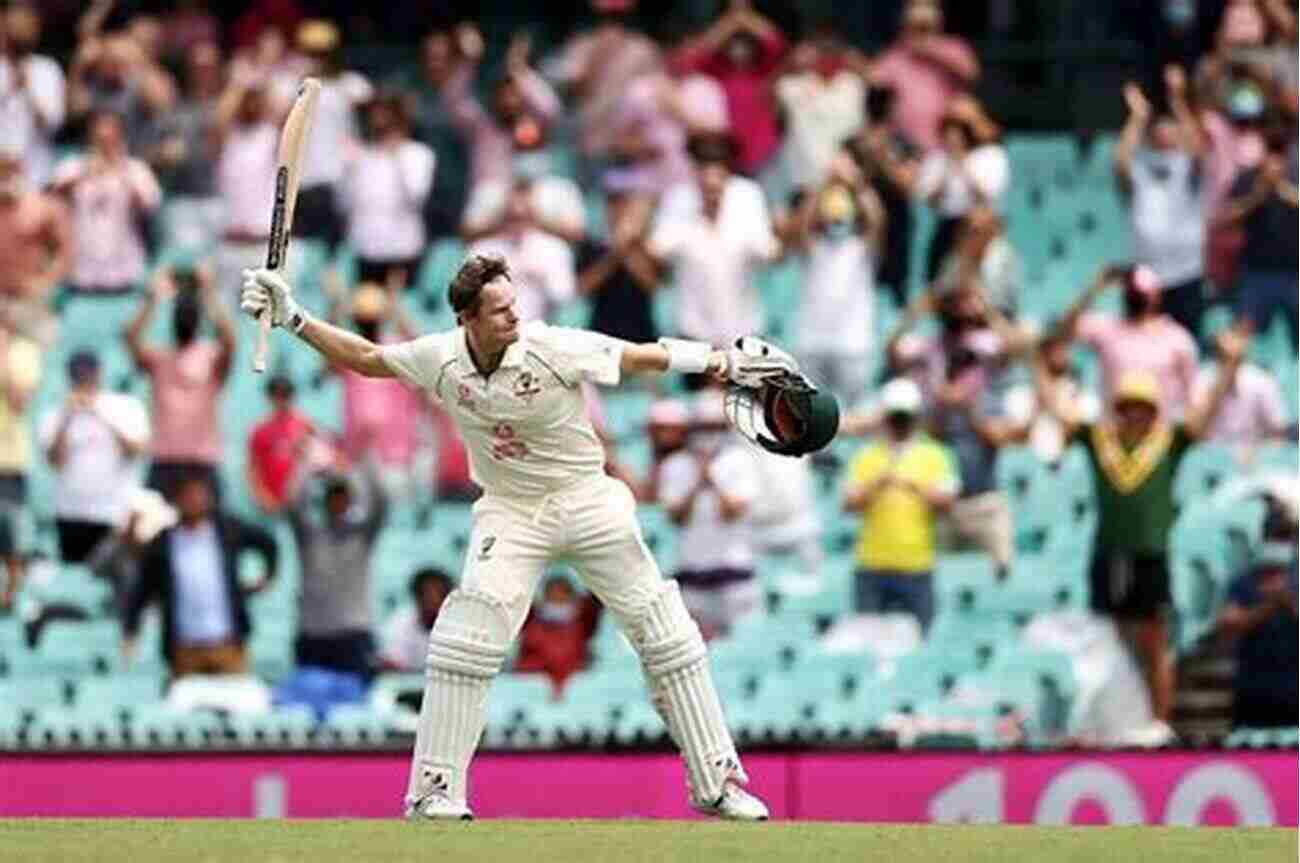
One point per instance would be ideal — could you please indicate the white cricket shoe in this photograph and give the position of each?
(735, 804)
(438, 807)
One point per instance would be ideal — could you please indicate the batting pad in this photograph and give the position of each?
(676, 664)
(466, 650)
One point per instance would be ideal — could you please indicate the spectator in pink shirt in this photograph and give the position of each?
(925, 69)
(111, 194)
(523, 105)
(741, 50)
(1252, 411)
(187, 378)
(1143, 340)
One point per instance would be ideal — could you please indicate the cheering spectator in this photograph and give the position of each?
(1143, 340)
(1134, 454)
(406, 632)
(183, 152)
(248, 140)
(522, 108)
(741, 50)
(1045, 435)
(715, 232)
(383, 192)
(541, 264)
(615, 274)
(667, 427)
(968, 169)
(983, 259)
(111, 193)
(35, 252)
(432, 125)
(1260, 615)
(925, 69)
(556, 636)
(192, 571)
(274, 447)
(32, 105)
(900, 484)
(1263, 201)
(187, 378)
(887, 161)
(707, 490)
(839, 227)
(334, 547)
(333, 131)
(186, 25)
(1252, 411)
(822, 102)
(1160, 168)
(92, 441)
(381, 416)
(598, 67)
(110, 74)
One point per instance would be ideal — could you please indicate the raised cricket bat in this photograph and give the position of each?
(287, 168)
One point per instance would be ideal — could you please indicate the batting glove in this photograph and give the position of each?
(752, 360)
(266, 292)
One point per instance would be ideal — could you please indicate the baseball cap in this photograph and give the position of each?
(901, 396)
(1137, 387)
(82, 365)
(317, 36)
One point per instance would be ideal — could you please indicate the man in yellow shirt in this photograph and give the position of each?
(20, 368)
(900, 484)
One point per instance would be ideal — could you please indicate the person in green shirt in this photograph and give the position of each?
(1134, 453)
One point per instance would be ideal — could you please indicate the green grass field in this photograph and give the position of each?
(201, 841)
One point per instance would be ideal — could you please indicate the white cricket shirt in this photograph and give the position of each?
(525, 426)
(707, 542)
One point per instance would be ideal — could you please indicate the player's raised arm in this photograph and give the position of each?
(746, 362)
(267, 291)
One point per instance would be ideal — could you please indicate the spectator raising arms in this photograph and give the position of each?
(1260, 615)
(192, 571)
(111, 193)
(542, 264)
(275, 447)
(1134, 454)
(187, 378)
(32, 107)
(1253, 412)
(1161, 172)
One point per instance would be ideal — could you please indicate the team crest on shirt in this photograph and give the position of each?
(527, 387)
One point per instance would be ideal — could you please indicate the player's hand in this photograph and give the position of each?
(266, 292)
(752, 359)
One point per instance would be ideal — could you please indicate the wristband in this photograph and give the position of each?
(687, 357)
(297, 320)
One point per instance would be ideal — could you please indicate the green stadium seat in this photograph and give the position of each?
(119, 691)
(286, 726)
(356, 725)
(1205, 467)
(31, 693)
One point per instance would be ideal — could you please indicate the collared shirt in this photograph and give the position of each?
(541, 267)
(201, 599)
(525, 426)
(108, 246)
(1168, 208)
(96, 478)
(714, 261)
(985, 169)
(383, 193)
(820, 113)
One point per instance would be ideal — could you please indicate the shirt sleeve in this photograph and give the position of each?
(667, 239)
(930, 176)
(862, 470)
(583, 355)
(143, 184)
(419, 361)
(990, 171)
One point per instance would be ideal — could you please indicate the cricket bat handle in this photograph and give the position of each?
(263, 342)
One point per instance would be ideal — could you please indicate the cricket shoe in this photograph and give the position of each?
(735, 804)
(438, 807)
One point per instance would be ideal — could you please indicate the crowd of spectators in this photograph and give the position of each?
(699, 166)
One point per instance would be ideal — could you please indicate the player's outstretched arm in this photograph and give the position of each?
(267, 292)
(750, 360)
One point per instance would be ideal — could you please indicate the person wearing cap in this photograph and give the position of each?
(901, 483)
(93, 442)
(335, 535)
(1142, 339)
(274, 446)
(187, 378)
(714, 233)
(382, 194)
(614, 273)
(1160, 167)
(1134, 453)
(925, 68)
(334, 131)
(33, 109)
(708, 490)
(1260, 616)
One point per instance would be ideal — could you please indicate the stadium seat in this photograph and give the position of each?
(356, 725)
(1203, 469)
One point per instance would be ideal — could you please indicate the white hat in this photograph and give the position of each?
(901, 396)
